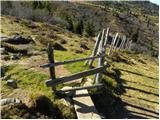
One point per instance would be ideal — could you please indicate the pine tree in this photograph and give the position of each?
(89, 29)
(135, 35)
(78, 27)
(70, 23)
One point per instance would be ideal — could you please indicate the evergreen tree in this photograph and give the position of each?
(70, 23)
(89, 29)
(78, 27)
(135, 35)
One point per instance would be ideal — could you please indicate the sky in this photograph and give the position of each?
(156, 1)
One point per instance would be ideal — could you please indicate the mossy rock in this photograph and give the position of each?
(58, 46)
(13, 49)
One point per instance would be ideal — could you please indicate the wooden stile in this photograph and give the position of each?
(75, 76)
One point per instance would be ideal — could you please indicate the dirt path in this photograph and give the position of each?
(34, 63)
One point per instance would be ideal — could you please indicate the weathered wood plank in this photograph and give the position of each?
(84, 106)
(51, 61)
(81, 88)
(123, 41)
(117, 42)
(112, 44)
(101, 51)
(50, 52)
(70, 61)
(106, 39)
(75, 76)
(129, 46)
(95, 49)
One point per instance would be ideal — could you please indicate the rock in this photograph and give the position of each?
(63, 41)
(4, 78)
(78, 51)
(57, 46)
(7, 101)
(18, 39)
(84, 46)
(14, 57)
(12, 83)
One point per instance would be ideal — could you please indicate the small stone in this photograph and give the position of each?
(14, 57)
(4, 78)
(84, 46)
(12, 83)
(78, 51)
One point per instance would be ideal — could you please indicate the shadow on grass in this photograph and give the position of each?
(138, 74)
(112, 107)
(139, 90)
(142, 84)
(142, 99)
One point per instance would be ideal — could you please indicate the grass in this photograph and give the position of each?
(32, 83)
(137, 71)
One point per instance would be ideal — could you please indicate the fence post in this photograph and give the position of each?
(106, 39)
(129, 47)
(50, 52)
(112, 44)
(117, 41)
(95, 49)
(123, 41)
(101, 51)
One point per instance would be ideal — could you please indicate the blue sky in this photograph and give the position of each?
(156, 1)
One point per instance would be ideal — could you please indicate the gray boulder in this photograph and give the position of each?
(7, 101)
(14, 57)
(12, 83)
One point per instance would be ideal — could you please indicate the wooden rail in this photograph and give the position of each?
(70, 61)
(81, 88)
(75, 76)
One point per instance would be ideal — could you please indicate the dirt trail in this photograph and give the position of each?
(34, 62)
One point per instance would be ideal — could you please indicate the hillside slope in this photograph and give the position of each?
(137, 20)
(131, 69)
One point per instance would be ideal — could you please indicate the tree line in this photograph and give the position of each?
(79, 27)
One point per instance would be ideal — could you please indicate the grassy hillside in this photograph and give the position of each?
(137, 74)
(128, 18)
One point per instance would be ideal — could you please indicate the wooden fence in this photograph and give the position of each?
(55, 81)
(99, 52)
